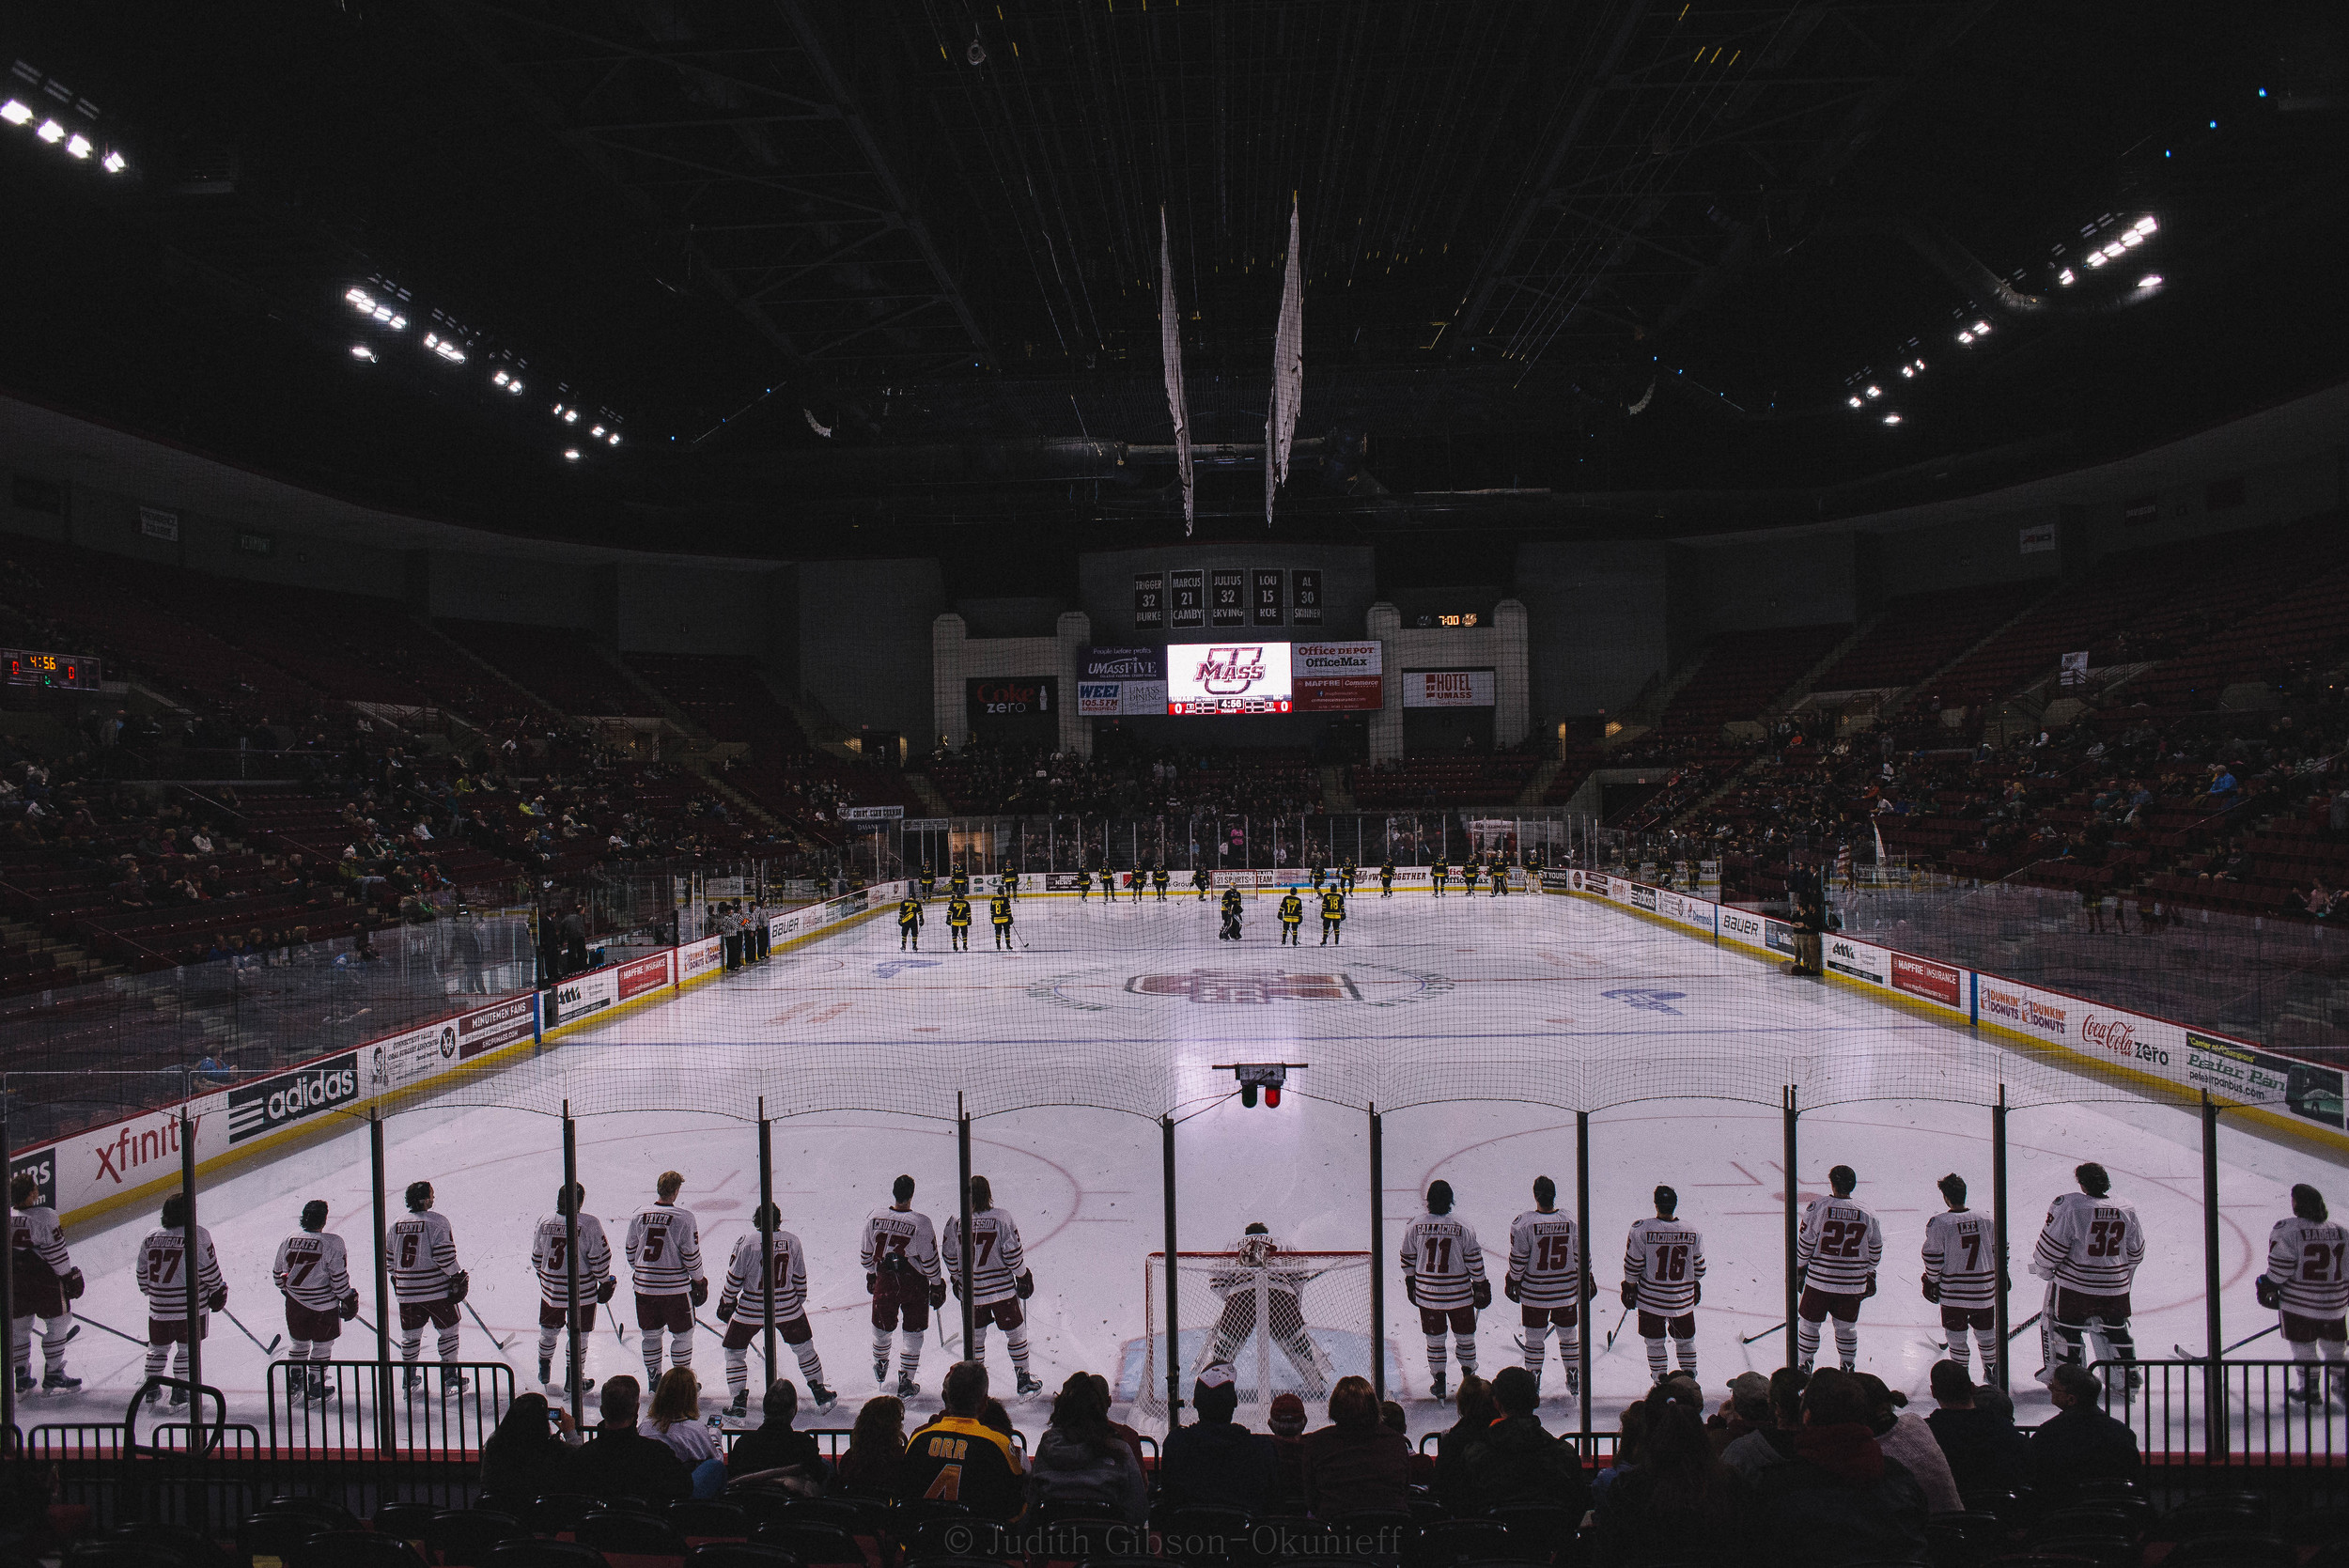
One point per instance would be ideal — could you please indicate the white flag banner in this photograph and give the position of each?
(1171, 344)
(1288, 373)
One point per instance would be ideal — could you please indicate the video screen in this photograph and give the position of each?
(1228, 677)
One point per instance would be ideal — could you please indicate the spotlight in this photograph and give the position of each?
(1855, 402)
(360, 350)
(1875, 392)
(613, 438)
(113, 162)
(2132, 240)
(2112, 251)
(572, 453)
(500, 378)
(1965, 337)
(2151, 280)
(14, 112)
(1910, 371)
(1981, 329)
(51, 132)
(514, 386)
(78, 145)
(597, 431)
(570, 417)
(2146, 224)
(558, 410)
(1892, 419)
(1920, 365)
(2066, 277)
(2097, 258)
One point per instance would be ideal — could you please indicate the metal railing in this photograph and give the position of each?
(2234, 1419)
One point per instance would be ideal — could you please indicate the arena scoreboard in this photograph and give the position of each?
(1228, 677)
(63, 671)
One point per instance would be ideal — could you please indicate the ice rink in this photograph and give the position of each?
(1489, 992)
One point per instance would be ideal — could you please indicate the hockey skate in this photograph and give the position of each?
(1029, 1386)
(741, 1405)
(880, 1369)
(57, 1382)
(907, 1388)
(1436, 1390)
(825, 1398)
(179, 1399)
(318, 1390)
(1574, 1382)
(453, 1383)
(24, 1384)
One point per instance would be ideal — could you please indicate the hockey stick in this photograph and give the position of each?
(103, 1329)
(2026, 1322)
(2185, 1355)
(274, 1340)
(485, 1328)
(720, 1334)
(1766, 1333)
(1618, 1327)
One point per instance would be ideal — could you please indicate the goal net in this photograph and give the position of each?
(1285, 1322)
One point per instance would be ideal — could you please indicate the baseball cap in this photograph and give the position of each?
(1287, 1416)
(1750, 1396)
(1216, 1377)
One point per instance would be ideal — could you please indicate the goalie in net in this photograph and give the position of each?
(1275, 1316)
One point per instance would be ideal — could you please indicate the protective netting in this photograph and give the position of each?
(1291, 1323)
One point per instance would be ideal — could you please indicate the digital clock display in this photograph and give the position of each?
(64, 671)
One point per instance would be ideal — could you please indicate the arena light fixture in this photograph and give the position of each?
(78, 145)
(572, 453)
(1965, 337)
(51, 132)
(1855, 402)
(360, 350)
(500, 378)
(1909, 372)
(2066, 277)
(2151, 280)
(613, 438)
(597, 431)
(1892, 419)
(571, 416)
(1875, 392)
(2146, 224)
(113, 162)
(14, 112)
(1981, 329)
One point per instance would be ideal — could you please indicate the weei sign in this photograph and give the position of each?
(2306, 1094)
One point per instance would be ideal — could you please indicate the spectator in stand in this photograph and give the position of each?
(1355, 1464)
(1746, 1410)
(1680, 1503)
(1081, 1462)
(1215, 1459)
(1906, 1437)
(676, 1421)
(618, 1461)
(988, 1479)
(2337, 816)
(2319, 900)
(1984, 1453)
(527, 1456)
(1285, 1419)
(1476, 1411)
(1838, 1499)
(877, 1446)
(777, 1454)
(1391, 1417)
(2079, 1442)
(1516, 1460)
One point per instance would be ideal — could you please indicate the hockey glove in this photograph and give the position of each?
(350, 1306)
(1481, 1294)
(725, 1312)
(1590, 1286)
(460, 1286)
(2271, 1295)
(606, 1291)
(937, 1296)
(1931, 1288)
(1871, 1290)
(1696, 1295)
(1630, 1295)
(72, 1285)
(700, 1293)
(1024, 1286)
(1513, 1288)
(218, 1300)
(958, 1284)
(1410, 1289)
(872, 1284)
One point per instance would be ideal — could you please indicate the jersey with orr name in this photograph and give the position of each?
(2089, 1245)
(664, 1250)
(1961, 1257)
(1665, 1258)
(1441, 1259)
(1840, 1245)
(1544, 1258)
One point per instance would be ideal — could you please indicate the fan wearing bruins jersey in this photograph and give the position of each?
(901, 1275)
(1549, 1282)
(1663, 1280)
(164, 1279)
(909, 925)
(742, 1307)
(999, 1280)
(2306, 1283)
(958, 922)
(44, 1283)
(1292, 913)
(1962, 1275)
(1836, 1254)
(421, 1251)
(550, 1258)
(1257, 1271)
(312, 1272)
(1333, 915)
(1443, 1275)
(2088, 1253)
(664, 1262)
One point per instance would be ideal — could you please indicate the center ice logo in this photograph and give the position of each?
(1646, 1000)
(1218, 986)
(896, 965)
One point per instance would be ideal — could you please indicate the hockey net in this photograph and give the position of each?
(1317, 1306)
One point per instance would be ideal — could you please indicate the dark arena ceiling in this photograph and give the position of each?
(865, 277)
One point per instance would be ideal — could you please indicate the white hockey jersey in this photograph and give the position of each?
(421, 1251)
(1961, 1256)
(900, 1241)
(1441, 1257)
(2305, 1260)
(2089, 1245)
(35, 1234)
(1840, 1245)
(664, 1250)
(1544, 1259)
(164, 1281)
(313, 1267)
(996, 1258)
(1665, 1258)
(1243, 1274)
(553, 1264)
(746, 1279)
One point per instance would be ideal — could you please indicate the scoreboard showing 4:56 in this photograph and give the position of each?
(59, 670)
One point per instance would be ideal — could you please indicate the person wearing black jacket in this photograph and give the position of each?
(526, 1456)
(2079, 1442)
(618, 1461)
(1984, 1452)
(1516, 1460)
(774, 1446)
(1215, 1460)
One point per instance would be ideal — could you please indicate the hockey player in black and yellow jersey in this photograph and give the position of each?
(1345, 873)
(929, 884)
(1139, 879)
(959, 920)
(959, 883)
(1468, 869)
(1292, 916)
(1158, 880)
(823, 882)
(1332, 914)
(1319, 872)
(1438, 872)
(1501, 877)
(1200, 879)
(909, 925)
(999, 911)
(1232, 908)
(1386, 878)
(1085, 884)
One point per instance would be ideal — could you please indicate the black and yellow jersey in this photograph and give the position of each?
(1292, 909)
(909, 911)
(959, 1459)
(999, 908)
(957, 910)
(1333, 905)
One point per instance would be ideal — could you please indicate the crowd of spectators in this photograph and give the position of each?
(1125, 778)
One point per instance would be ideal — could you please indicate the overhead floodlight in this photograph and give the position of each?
(14, 112)
(1965, 337)
(514, 386)
(597, 431)
(1892, 419)
(613, 438)
(113, 162)
(1920, 365)
(2097, 258)
(2113, 251)
(571, 417)
(51, 132)
(1875, 392)
(500, 378)
(2151, 280)
(360, 350)
(2132, 240)
(78, 144)
(558, 409)
(1981, 329)
(1910, 371)
(2064, 277)
(2146, 224)
(1855, 402)
(572, 453)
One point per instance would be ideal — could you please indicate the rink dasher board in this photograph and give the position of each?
(2301, 1099)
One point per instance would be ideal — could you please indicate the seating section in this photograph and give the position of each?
(1743, 673)
(1921, 633)
(559, 665)
(1475, 780)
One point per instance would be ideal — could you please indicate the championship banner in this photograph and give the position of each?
(1447, 688)
(1187, 598)
(1338, 678)
(1149, 600)
(1270, 607)
(1227, 603)
(1305, 597)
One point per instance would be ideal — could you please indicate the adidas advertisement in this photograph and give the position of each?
(255, 1108)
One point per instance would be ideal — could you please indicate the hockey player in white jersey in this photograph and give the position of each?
(1962, 1275)
(2307, 1281)
(420, 1248)
(742, 1307)
(998, 1281)
(903, 1278)
(1258, 1271)
(1836, 1254)
(166, 1281)
(1663, 1279)
(313, 1272)
(44, 1284)
(1443, 1275)
(2088, 1253)
(550, 1259)
(1546, 1266)
(664, 1262)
